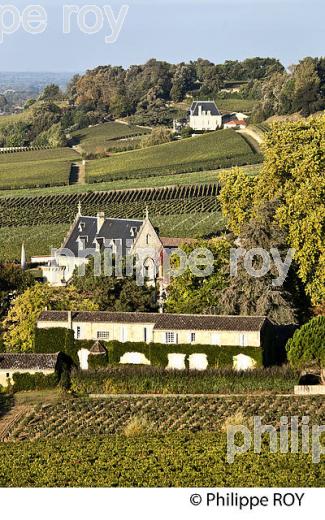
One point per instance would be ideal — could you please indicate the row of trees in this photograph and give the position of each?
(300, 89)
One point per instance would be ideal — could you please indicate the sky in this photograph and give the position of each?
(171, 30)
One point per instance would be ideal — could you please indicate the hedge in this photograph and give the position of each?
(57, 340)
(157, 353)
(38, 381)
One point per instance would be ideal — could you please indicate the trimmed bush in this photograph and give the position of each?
(39, 381)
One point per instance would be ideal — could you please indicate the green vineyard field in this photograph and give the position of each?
(36, 168)
(60, 209)
(207, 152)
(106, 136)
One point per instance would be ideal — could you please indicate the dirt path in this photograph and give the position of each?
(251, 133)
(8, 421)
(77, 173)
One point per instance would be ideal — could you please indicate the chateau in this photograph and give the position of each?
(90, 236)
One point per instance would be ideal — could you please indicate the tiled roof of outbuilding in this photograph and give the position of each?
(24, 361)
(164, 321)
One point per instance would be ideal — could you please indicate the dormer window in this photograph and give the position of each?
(81, 226)
(133, 231)
(82, 243)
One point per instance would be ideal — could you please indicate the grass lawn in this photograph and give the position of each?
(210, 151)
(103, 136)
(36, 168)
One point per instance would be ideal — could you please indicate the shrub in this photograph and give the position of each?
(307, 346)
(138, 425)
(38, 381)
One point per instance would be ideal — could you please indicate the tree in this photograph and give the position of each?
(13, 281)
(293, 173)
(190, 293)
(110, 293)
(20, 324)
(53, 137)
(252, 295)
(236, 197)
(51, 92)
(307, 346)
(307, 98)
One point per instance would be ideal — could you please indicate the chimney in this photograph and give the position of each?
(69, 320)
(100, 220)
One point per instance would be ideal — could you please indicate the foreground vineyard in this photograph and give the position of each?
(174, 460)
(59, 209)
(87, 417)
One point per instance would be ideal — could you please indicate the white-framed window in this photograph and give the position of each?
(242, 340)
(133, 231)
(82, 243)
(116, 245)
(102, 334)
(78, 334)
(192, 337)
(7, 375)
(147, 239)
(170, 337)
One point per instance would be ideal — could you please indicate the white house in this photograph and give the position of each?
(204, 115)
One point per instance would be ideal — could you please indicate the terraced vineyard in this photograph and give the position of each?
(91, 417)
(212, 151)
(107, 136)
(36, 168)
(60, 209)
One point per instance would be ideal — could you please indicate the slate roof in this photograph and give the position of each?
(11, 361)
(164, 321)
(111, 229)
(206, 106)
(209, 322)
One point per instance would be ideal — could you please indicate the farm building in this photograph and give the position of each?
(10, 363)
(236, 124)
(244, 331)
(90, 236)
(168, 329)
(204, 115)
